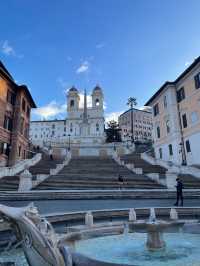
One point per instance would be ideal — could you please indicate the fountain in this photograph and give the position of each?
(173, 214)
(89, 221)
(132, 215)
(154, 234)
(100, 246)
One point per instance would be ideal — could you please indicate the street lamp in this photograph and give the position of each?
(132, 102)
(114, 137)
(69, 142)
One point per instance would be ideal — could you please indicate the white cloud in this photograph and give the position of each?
(112, 116)
(62, 82)
(100, 45)
(50, 110)
(7, 49)
(89, 100)
(84, 67)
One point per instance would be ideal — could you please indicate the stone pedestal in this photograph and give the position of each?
(154, 239)
(25, 183)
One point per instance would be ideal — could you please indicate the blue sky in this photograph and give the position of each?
(128, 47)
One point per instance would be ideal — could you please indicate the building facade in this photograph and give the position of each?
(176, 118)
(15, 107)
(82, 125)
(142, 125)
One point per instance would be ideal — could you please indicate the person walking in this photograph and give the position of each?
(179, 192)
(51, 154)
(121, 181)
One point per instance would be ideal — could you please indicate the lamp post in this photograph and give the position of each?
(132, 102)
(69, 142)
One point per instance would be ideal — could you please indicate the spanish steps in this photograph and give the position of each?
(8, 183)
(90, 172)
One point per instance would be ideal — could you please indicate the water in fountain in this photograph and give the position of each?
(181, 249)
(132, 215)
(152, 216)
(126, 229)
(89, 221)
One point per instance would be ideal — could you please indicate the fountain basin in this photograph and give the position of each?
(182, 249)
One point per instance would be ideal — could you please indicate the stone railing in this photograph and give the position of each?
(129, 166)
(26, 179)
(148, 158)
(20, 166)
(171, 167)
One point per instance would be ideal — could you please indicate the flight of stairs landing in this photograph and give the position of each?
(189, 181)
(9, 183)
(90, 172)
(138, 162)
(44, 165)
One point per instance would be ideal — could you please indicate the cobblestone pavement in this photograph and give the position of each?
(52, 206)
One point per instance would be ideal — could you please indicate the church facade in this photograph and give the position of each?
(83, 125)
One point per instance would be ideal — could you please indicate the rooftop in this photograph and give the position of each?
(184, 73)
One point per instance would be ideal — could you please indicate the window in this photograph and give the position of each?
(187, 144)
(71, 127)
(194, 117)
(168, 126)
(8, 123)
(53, 126)
(23, 105)
(4, 148)
(97, 102)
(156, 109)
(184, 119)
(19, 151)
(180, 94)
(10, 97)
(28, 111)
(72, 103)
(26, 131)
(197, 81)
(165, 101)
(97, 127)
(170, 149)
(21, 125)
(160, 153)
(64, 129)
(158, 132)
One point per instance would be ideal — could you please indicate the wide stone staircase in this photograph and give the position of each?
(9, 183)
(189, 181)
(135, 158)
(44, 165)
(90, 172)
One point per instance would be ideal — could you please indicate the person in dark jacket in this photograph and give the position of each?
(121, 181)
(179, 192)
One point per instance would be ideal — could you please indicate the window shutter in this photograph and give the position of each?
(197, 81)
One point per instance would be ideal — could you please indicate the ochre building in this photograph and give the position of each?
(15, 108)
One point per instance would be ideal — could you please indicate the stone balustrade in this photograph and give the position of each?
(41, 177)
(171, 167)
(20, 166)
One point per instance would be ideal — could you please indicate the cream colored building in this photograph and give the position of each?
(176, 118)
(142, 125)
(82, 125)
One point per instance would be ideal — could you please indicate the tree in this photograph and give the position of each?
(113, 132)
(132, 102)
